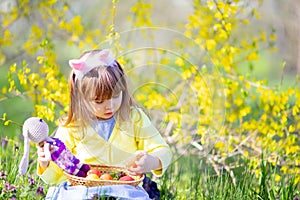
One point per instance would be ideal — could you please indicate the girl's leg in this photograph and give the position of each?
(151, 188)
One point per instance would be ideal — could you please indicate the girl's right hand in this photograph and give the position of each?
(42, 160)
(143, 163)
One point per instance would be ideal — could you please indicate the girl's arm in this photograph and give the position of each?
(157, 155)
(49, 172)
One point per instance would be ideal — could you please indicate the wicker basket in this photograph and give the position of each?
(75, 180)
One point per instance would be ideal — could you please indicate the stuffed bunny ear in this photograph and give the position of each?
(77, 64)
(25, 159)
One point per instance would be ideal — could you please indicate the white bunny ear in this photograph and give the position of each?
(77, 64)
(106, 57)
(25, 159)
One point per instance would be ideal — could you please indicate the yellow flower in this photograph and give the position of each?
(252, 56)
(263, 36)
(273, 37)
(186, 74)
(210, 4)
(277, 177)
(210, 44)
(179, 62)
(219, 145)
(284, 169)
(292, 128)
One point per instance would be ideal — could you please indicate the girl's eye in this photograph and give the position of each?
(99, 102)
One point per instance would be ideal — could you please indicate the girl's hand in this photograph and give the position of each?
(42, 160)
(142, 163)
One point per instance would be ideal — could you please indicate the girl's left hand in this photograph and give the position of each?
(142, 163)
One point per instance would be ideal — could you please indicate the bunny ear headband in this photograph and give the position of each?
(91, 60)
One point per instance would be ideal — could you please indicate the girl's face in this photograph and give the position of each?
(107, 108)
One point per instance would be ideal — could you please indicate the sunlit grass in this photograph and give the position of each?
(187, 178)
(12, 185)
(192, 178)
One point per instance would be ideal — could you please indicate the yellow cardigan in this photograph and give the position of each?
(126, 138)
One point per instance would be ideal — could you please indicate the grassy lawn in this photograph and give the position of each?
(187, 178)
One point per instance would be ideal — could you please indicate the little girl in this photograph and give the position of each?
(103, 125)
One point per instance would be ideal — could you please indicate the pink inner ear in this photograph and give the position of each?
(77, 64)
(103, 55)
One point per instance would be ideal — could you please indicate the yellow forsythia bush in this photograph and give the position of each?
(211, 107)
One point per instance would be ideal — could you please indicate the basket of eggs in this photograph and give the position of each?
(100, 175)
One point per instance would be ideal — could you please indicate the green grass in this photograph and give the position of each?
(191, 178)
(12, 185)
(187, 178)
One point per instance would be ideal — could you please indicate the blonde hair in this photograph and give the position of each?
(100, 83)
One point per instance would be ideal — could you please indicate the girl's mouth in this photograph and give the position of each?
(108, 114)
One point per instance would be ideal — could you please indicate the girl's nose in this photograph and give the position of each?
(108, 104)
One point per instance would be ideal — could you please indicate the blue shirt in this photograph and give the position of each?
(104, 127)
